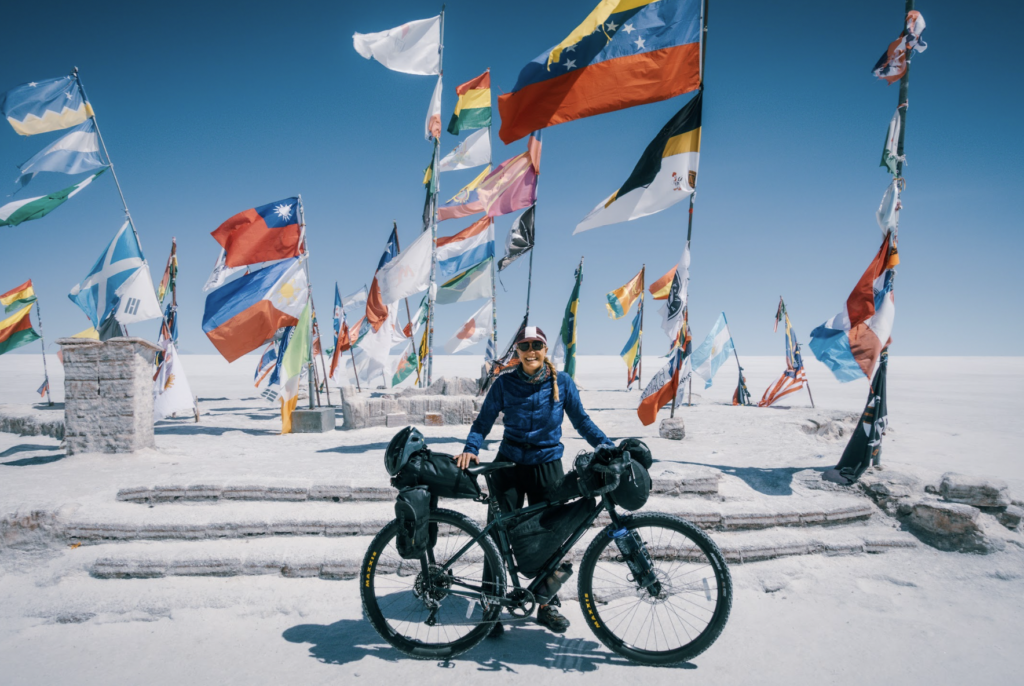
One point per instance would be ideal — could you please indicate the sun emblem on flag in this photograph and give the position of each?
(283, 211)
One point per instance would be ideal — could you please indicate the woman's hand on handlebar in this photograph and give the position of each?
(465, 459)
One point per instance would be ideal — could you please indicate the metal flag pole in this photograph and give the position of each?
(408, 313)
(436, 180)
(42, 340)
(311, 368)
(640, 339)
(494, 259)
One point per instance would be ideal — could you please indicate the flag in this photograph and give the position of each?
(850, 342)
(741, 396)
(73, 153)
(44, 389)
(673, 311)
(242, 315)
(376, 308)
(422, 357)
(48, 105)
(169, 325)
(661, 389)
(665, 174)
(294, 360)
(171, 391)
(888, 210)
(342, 343)
(661, 288)
(621, 299)
(631, 352)
(890, 151)
(408, 273)
(467, 248)
(354, 302)
(513, 183)
(375, 346)
(715, 350)
(472, 284)
(466, 202)
(780, 312)
(565, 346)
(473, 108)
(97, 295)
(408, 363)
(432, 127)
(281, 339)
(262, 234)
(14, 213)
(520, 238)
(625, 53)
(472, 152)
(18, 297)
(221, 272)
(893, 63)
(476, 329)
(412, 48)
(419, 318)
(430, 184)
(170, 273)
(136, 301)
(508, 360)
(865, 444)
(16, 330)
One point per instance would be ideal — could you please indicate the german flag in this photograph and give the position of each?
(473, 110)
(665, 174)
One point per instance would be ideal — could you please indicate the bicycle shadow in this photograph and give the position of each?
(350, 640)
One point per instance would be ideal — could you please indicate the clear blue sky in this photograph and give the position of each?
(208, 111)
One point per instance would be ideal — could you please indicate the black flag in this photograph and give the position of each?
(741, 396)
(519, 240)
(865, 445)
(507, 362)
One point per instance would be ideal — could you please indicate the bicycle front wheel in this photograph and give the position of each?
(441, 614)
(693, 599)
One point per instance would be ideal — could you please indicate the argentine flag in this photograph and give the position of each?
(75, 152)
(715, 350)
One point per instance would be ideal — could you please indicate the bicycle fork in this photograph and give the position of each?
(635, 555)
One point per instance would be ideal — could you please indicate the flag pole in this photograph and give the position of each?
(494, 259)
(311, 369)
(408, 312)
(436, 180)
(344, 319)
(42, 340)
(640, 341)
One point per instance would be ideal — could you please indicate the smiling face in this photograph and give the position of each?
(531, 360)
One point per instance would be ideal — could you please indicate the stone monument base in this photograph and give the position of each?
(316, 421)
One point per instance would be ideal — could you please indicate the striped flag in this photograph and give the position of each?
(44, 389)
(631, 353)
(794, 378)
(473, 108)
(466, 249)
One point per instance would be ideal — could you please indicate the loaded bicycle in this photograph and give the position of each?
(652, 587)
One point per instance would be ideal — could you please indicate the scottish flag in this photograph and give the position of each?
(48, 105)
(75, 152)
(715, 350)
(97, 294)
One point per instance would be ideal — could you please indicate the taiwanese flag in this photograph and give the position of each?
(625, 53)
(263, 234)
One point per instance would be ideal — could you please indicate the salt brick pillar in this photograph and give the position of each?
(108, 394)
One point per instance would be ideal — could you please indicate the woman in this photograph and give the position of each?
(535, 398)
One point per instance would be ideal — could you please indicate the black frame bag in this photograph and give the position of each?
(535, 538)
(439, 473)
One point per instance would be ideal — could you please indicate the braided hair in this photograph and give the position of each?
(554, 377)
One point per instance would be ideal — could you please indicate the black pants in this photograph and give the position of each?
(535, 482)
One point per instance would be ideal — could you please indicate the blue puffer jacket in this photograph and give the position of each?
(533, 420)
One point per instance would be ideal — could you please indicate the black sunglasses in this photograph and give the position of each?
(526, 345)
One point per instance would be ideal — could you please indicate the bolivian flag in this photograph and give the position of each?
(473, 110)
(18, 297)
(665, 174)
(16, 330)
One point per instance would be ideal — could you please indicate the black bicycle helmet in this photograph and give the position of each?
(638, 450)
(404, 445)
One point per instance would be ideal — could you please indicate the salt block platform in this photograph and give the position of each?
(37, 420)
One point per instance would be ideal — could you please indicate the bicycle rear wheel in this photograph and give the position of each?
(694, 592)
(395, 592)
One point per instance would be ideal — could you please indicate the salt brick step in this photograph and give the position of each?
(123, 521)
(341, 558)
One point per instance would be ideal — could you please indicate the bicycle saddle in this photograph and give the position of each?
(487, 467)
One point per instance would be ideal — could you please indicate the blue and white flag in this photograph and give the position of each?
(97, 294)
(464, 250)
(715, 350)
(75, 152)
(48, 105)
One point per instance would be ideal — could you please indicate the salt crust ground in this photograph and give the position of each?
(908, 616)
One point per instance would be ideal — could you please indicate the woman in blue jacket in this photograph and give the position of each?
(535, 398)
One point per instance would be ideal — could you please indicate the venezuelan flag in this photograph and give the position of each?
(473, 109)
(625, 53)
(18, 297)
(621, 299)
(16, 331)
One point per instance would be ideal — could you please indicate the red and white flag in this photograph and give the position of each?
(476, 329)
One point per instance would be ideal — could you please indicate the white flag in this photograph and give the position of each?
(412, 48)
(432, 129)
(672, 309)
(888, 210)
(473, 331)
(136, 298)
(221, 273)
(171, 392)
(407, 274)
(472, 152)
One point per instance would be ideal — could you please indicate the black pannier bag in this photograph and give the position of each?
(537, 537)
(634, 487)
(439, 473)
(412, 508)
